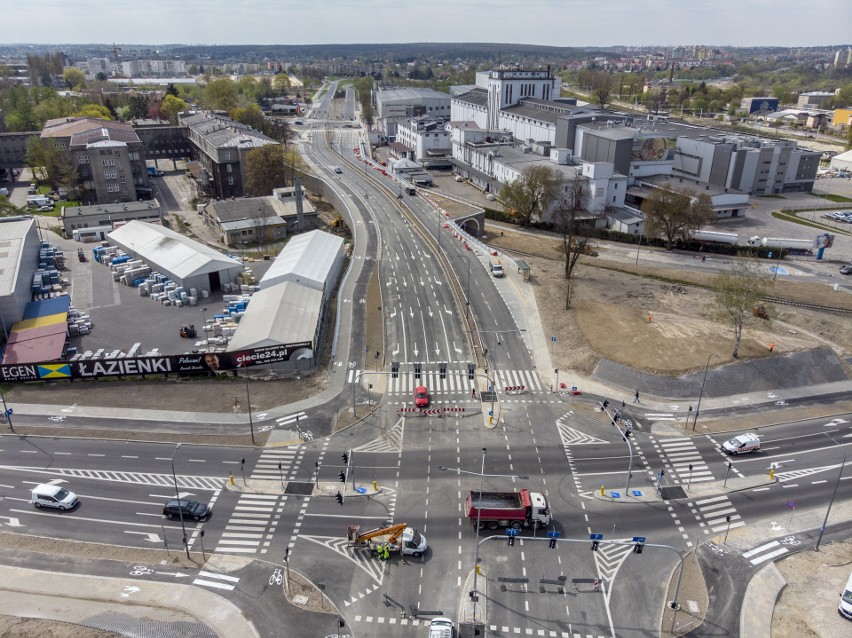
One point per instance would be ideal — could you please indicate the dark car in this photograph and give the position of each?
(191, 509)
(846, 270)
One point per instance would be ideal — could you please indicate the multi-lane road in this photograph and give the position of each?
(440, 306)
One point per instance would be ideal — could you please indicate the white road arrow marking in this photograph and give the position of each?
(456, 348)
(416, 351)
(439, 282)
(175, 574)
(396, 351)
(437, 350)
(411, 311)
(449, 312)
(393, 314)
(129, 590)
(13, 522)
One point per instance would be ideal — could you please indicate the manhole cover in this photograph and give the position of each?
(299, 487)
(300, 600)
(672, 492)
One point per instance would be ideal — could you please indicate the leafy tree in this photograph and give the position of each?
(220, 94)
(74, 78)
(138, 107)
(602, 86)
(293, 163)
(673, 213)
(260, 226)
(93, 110)
(250, 115)
(171, 107)
(100, 76)
(281, 83)
(171, 89)
(738, 291)
(265, 170)
(533, 192)
(192, 70)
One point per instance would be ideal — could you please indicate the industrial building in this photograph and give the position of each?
(409, 102)
(186, 262)
(18, 264)
(314, 259)
(92, 223)
(289, 312)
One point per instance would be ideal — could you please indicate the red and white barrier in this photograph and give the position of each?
(515, 388)
(454, 409)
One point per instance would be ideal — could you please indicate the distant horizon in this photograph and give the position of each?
(558, 23)
(110, 43)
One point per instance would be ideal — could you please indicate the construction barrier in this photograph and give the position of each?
(515, 389)
(454, 409)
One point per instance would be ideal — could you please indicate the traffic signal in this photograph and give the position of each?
(395, 369)
(417, 371)
(342, 477)
(511, 541)
(345, 457)
(340, 623)
(605, 404)
(594, 546)
(616, 415)
(443, 370)
(552, 543)
(637, 548)
(340, 498)
(471, 371)
(626, 434)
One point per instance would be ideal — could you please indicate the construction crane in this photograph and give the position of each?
(115, 51)
(399, 537)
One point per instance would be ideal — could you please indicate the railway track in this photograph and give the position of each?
(809, 306)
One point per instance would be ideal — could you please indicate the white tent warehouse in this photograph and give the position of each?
(283, 315)
(186, 262)
(313, 259)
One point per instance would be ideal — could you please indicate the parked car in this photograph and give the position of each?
(191, 509)
(45, 208)
(846, 270)
(4, 191)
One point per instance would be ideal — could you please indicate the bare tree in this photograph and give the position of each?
(673, 213)
(534, 191)
(571, 220)
(260, 226)
(738, 291)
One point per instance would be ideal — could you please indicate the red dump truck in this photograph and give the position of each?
(507, 509)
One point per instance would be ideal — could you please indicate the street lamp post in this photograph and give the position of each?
(7, 411)
(701, 394)
(251, 423)
(203, 319)
(639, 246)
(177, 496)
(833, 493)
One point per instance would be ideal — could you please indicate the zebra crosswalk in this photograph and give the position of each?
(771, 550)
(456, 382)
(715, 514)
(216, 581)
(279, 463)
(252, 525)
(685, 461)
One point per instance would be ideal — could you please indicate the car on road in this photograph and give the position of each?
(55, 496)
(421, 397)
(189, 509)
(45, 208)
(742, 444)
(441, 628)
(4, 191)
(846, 270)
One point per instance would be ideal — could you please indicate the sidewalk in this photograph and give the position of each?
(108, 603)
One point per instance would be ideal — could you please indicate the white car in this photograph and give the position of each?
(441, 628)
(742, 444)
(45, 208)
(54, 496)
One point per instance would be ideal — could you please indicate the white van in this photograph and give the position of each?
(742, 444)
(495, 265)
(845, 607)
(441, 628)
(55, 496)
(39, 200)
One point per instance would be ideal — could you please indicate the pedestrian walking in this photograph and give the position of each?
(622, 407)
(771, 347)
(703, 258)
(473, 393)
(636, 397)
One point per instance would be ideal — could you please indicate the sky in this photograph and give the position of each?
(580, 23)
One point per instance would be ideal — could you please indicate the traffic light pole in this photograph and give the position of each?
(626, 440)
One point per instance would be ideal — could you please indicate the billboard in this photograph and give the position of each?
(196, 363)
